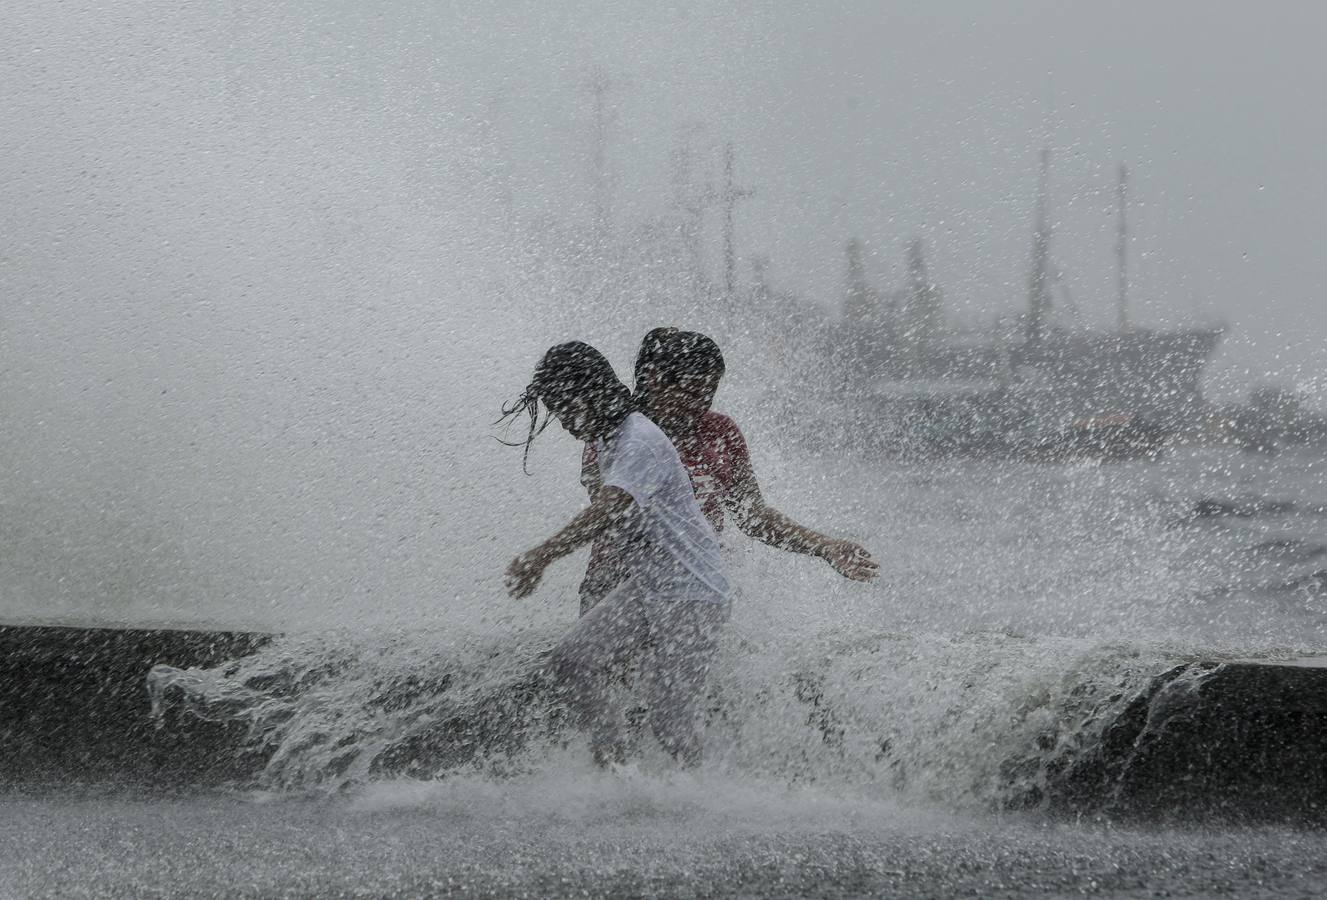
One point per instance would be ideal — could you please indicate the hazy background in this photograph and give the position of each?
(267, 272)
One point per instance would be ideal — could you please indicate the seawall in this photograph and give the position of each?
(74, 708)
(1231, 742)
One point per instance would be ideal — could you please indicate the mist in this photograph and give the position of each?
(269, 273)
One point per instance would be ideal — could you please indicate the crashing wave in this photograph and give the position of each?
(975, 720)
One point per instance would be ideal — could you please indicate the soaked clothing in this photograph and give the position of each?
(667, 611)
(675, 644)
(715, 457)
(672, 551)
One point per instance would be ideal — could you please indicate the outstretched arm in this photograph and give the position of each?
(609, 506)
(769, 526)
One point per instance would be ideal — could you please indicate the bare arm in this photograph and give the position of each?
(591, 479)
(766, 524)
(608, 507)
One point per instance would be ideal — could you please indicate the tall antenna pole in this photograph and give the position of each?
(1122, 249)
(691, 201)
(760, 267)
(1039, 289)
(732, 194)
(600, 84)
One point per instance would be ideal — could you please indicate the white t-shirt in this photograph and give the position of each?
(678, 555)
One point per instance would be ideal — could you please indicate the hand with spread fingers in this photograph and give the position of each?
(850, 560)
(524, 573)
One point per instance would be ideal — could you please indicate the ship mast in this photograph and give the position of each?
(1039, 291)
(599, 86)
(691, 201)
(1122, 249)
(732, 194)
(859, 301)
(922, 312)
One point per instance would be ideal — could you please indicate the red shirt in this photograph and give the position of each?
(712, 454)
(715, 456)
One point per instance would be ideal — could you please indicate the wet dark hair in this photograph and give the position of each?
(655, 347)
(669, 354)
(569, 371)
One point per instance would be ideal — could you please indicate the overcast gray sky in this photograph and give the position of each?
(879, 120)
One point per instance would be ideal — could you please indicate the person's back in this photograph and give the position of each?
(715, 456)
(674, 551)
(717, 459)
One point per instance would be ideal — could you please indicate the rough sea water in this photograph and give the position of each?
(886, 739)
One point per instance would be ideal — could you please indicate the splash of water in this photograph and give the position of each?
(963, 721)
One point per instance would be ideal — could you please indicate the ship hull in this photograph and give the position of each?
(1018, 400)
(1155, 375)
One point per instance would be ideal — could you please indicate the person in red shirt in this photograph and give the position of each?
(677, 375)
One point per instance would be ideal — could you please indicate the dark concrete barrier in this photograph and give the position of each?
(1243, 742)
(1236, 742)
(74, 708)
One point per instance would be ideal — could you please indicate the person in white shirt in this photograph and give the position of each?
(669, 610)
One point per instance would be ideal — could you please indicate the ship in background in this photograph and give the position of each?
(1028, 386)
(889, 374)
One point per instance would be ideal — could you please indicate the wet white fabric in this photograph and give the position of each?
(678, 557)
(675, 643)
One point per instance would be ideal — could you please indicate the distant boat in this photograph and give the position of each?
(1020, 391)
(1106, 438)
